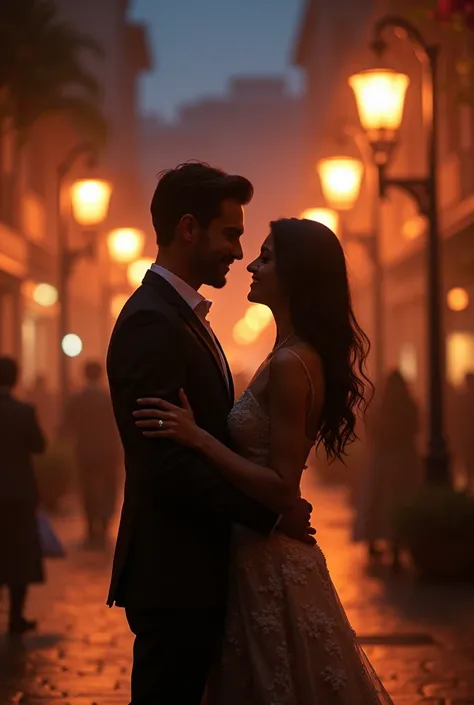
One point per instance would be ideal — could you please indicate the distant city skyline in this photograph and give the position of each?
(197, 48)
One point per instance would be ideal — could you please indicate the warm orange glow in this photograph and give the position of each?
(243, 334)
(117, 303)
(137, 270)
(380, 97)
(125, 244)
(341, 178)
(90, 201)
(257, 317)
(414, 227)
(45, 295)
(458, 299)
(326, 216)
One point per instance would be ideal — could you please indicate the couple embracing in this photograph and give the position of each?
(224, 586)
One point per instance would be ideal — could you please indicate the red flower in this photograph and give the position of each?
(447, 9)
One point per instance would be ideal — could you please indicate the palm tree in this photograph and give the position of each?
(41, 69)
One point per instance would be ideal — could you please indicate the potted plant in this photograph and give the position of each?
(437, 527)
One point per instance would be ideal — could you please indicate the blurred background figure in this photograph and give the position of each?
(393, 470)
(43, 400)
(465, 429)
(90, 425)
(20, 551)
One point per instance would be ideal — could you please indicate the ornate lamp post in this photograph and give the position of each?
(89, 202)
(380, 96)
(341, 179)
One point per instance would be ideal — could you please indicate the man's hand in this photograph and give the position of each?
(297, 522)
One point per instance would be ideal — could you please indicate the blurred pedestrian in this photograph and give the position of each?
(465, 429)
(43, 400)
(393, 470)
(20, 551)
(89, 422)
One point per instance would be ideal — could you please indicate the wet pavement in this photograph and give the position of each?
(420, 639)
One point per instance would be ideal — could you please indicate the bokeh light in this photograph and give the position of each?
(45, 295)
(137, 270)
(90, 201)
(71, 345)
(243, 335)
(458, 299)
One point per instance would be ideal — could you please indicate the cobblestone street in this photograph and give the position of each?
(420, 639)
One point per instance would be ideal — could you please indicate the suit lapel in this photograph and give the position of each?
(193, 321)
(229, 373)
(204, 336)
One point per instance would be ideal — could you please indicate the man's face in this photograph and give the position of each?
(219, 245)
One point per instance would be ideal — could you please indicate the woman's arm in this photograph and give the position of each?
(275, 486)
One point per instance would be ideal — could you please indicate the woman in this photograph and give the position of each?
(21, 562)
(287, 638)
(393, 472)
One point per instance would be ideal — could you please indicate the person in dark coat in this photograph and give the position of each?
(90, 423)
(21, 562)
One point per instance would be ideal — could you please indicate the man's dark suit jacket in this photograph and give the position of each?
(20, 438)
(173, 541)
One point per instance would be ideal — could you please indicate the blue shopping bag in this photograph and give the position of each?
(51, 546)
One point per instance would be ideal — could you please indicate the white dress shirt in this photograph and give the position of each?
(197, 303)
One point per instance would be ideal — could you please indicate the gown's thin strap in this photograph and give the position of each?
(307, 374)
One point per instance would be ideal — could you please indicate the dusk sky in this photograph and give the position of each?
(199, 44)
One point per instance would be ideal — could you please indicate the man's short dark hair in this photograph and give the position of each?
(8, 372)
(92, 371)
(197, 189)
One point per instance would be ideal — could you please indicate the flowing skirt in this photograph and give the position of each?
(287, 638)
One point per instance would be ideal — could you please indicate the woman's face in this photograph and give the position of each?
(264, 287)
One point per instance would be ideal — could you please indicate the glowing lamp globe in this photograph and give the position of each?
(380, 97)
(341, 178)
(90, 201)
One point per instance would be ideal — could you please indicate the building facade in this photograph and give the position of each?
(29, 215)
(401, 230)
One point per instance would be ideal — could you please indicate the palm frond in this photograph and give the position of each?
(41, 61)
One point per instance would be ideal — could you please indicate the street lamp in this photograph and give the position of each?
(383, 135)
(326, 216)
(380, 97)
(89, 202)
(341, 178)
(125, 244)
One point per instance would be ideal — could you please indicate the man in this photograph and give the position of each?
(89, 422)
(21, 562)
(171, 561)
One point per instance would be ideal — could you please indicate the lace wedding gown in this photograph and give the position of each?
(287, 639)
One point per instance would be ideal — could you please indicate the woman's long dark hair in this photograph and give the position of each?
(311, 267)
